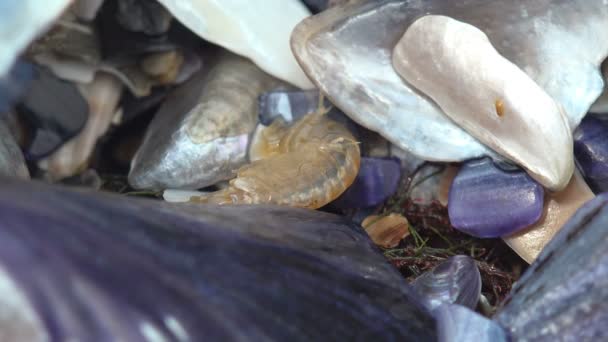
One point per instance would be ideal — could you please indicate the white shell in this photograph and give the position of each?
(259, 30)
(455, 64)
(346, 50)
(22, 22)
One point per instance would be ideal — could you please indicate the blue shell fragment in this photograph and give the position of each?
(591, 152)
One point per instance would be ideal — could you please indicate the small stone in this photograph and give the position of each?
(386, 231)
(591, 151)
(487, 201)
(376, 181)
(55, 110)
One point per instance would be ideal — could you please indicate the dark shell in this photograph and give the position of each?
(487, 201)
(145, 16)
(55, 111)
(454, 281)
(376, 181)
(106, 267)
(564, 294)
(591, 152)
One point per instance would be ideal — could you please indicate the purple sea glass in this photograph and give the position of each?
(487, 201)
(376, 181)
(591, 152)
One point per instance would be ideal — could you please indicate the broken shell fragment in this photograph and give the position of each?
(563, 295)
(487, 201)
(144, 16)
(510, 113)
(200, 134)
(346, 51)
(454, 281)
(253, 31)
(386, 231)
(288, 105)
(558, 209)
(102, 95)
(456, 323)
(591, 151)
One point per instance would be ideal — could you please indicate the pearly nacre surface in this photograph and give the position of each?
(346, 51)
(510, 113)
(257, 30)
(200, 135)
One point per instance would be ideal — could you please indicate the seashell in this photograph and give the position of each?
(55, 111)
(12, 163)
(200, 134)
(498, 103)
(386, 231)
(454, 281)
(558, 209)
(102, 95)
(335, 54)
(180, 196)
(287, 105)
(486, 201)
(445, 183)
(376, 181)
(253, 31)
(563, 295)
(109, 267)
(591, 152)
(456, 323)
(334, 48)
(22, 22)
(144, 16)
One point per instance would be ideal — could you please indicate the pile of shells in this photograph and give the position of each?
(275, 138)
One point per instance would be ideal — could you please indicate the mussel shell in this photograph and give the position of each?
(564, 294)
(454, 281)
(457, 323)
(105, 267)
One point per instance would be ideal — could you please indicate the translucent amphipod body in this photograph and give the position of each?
(305, 165)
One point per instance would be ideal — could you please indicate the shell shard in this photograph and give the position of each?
(457, 323)
(200, 134)
(254, 30)
(490, 97)
(558, 209)
(118, 268)
(591, 151)
(563, 295)
(346, 50)
(454, 281)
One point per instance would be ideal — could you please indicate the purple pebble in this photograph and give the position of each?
(487, 201)
(377, 180)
